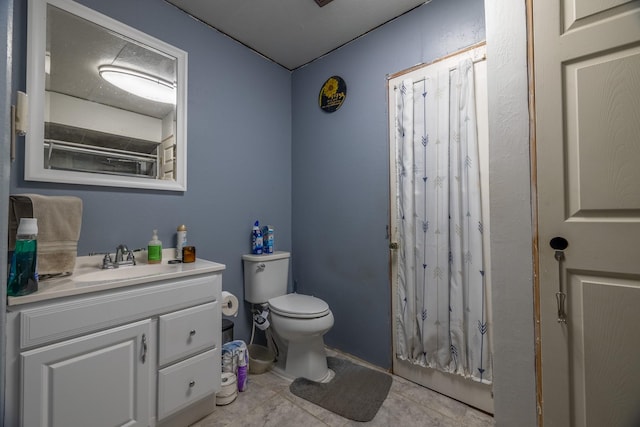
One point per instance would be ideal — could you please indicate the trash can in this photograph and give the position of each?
(260, 359)
(227, 331)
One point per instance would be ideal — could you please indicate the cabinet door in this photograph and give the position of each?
(96, 380)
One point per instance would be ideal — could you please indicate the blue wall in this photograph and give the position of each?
(327, 186)
(341, 170)
(233, 130)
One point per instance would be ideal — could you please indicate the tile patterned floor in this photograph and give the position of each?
(268, 402)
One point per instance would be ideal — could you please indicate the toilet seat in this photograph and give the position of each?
(299, 306)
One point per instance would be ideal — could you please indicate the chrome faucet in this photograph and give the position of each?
(124, 256)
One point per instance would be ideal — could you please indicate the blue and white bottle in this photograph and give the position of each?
(256, 239)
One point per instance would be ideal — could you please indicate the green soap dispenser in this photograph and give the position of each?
(154, 249)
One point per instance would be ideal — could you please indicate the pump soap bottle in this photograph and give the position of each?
(155, 249)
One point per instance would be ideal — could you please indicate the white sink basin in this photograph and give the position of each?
(124, 272)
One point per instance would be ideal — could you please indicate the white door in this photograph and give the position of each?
(98, 380)
(587, 102)
(456, 386)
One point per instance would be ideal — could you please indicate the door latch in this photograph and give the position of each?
(559, 244)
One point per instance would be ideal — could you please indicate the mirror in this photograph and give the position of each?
(107, 103)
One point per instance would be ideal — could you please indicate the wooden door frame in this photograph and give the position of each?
(534, 209)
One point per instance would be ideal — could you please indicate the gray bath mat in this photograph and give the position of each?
(355, 392)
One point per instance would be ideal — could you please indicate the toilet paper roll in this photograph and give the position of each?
(221, 401)
(228, 385)
(229, 304)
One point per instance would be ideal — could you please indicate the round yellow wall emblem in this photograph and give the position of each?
(332, 94)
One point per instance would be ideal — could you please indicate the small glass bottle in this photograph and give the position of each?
(23, 274)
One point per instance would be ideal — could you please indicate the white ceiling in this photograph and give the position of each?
(295, 32)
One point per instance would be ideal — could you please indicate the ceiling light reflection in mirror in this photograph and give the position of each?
(140, 84)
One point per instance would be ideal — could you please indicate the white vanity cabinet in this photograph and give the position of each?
(144, 354)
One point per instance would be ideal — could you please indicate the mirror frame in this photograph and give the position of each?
(34, 154)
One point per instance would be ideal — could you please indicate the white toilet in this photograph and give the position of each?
(299, 321)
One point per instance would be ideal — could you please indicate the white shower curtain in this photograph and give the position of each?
(441, 320)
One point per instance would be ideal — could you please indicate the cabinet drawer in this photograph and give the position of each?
(188, 331)
(188, 381)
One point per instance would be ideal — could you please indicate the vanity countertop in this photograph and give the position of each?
(88, 277)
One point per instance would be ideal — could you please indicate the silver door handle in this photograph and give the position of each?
(559, 244)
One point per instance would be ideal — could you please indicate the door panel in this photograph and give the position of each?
(606, 350)
(601, 106)
(582, 12)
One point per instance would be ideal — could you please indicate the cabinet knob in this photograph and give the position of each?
(192, 383)
(192, 332)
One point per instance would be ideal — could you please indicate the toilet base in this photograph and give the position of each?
(305, 358)
(279, 372)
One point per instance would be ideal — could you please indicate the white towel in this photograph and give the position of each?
(59, 223)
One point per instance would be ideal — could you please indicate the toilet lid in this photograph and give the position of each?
(296, 305)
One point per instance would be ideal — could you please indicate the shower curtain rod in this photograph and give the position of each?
(443, 58)
(475, 61)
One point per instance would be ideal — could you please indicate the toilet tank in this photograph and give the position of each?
(265, 276)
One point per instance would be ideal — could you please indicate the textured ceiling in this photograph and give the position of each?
(295, 32)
